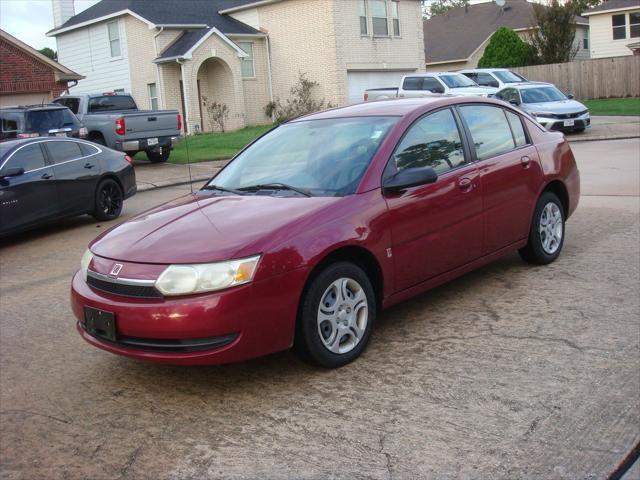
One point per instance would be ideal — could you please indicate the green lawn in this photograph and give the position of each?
(212, 146)
(614, 106)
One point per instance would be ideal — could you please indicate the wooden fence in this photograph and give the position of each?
(596, 78)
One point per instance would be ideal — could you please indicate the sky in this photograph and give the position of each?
(29, 20)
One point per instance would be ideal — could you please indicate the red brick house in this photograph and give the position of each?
(27, 76)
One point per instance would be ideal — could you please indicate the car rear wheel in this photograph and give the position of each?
(546, 236)
(157, 157)
(336, 317)
(109, 200)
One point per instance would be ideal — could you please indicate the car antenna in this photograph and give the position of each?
(186, 143)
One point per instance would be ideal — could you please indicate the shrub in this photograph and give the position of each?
(506, 49)
(300, 102)
(218, 113)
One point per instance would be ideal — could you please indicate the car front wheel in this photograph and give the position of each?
(546, 236)
(336, 317)
(109, 200)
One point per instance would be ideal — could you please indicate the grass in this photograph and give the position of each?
(212, 146)
(614, 106)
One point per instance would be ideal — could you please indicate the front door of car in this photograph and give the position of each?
(510, 173)
(30, 197)
(437, 227)
(76, 175)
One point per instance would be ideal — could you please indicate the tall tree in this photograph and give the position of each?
(47, 52)
(554, 37)
(437, 7)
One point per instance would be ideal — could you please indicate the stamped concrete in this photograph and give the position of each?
(510, 372)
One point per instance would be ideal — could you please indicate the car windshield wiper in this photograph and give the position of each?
(222, 189)
(275, 186)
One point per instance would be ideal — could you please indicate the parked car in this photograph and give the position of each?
(319, 224)
(113, 119)
(493, 77)
(39, 121)
(47, 179)
(428, 84)
(549, 106)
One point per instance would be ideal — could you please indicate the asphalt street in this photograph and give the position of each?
(509, 372)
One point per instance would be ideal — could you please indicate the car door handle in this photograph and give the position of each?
(89, 165)
(525, 161)
(466, 184)
(46, 176)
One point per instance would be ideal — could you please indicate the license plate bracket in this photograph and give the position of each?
(569, 123)
(152, 141)
(61, 134)
(100, 324)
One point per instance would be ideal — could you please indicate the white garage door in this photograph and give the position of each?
(361, 80)
(24, 99)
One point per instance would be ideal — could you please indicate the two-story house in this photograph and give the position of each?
(615, 28)
(243, 53)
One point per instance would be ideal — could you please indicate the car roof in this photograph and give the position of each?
(489, 70)
(432, 74)
(39, 106)
(524, 85)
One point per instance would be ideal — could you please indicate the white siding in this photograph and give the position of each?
(602, 42)
(249, 17)
(582, 32)
(87, 52)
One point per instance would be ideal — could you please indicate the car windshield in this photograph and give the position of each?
(541, 95)
(457, 81)
(40, 120)
(318, 157)
(507, 76)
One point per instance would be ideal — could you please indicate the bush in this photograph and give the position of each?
(301, 101)
(506, 49)
(218, 113)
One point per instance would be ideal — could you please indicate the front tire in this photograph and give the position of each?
(336, 316)
(546, 236)
(108, 201)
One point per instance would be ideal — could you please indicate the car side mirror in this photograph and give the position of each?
(570, 96)
(409, 177)
(514, 102)
(11, 172)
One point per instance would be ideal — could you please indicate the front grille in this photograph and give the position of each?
(565, 116)
(137, 291)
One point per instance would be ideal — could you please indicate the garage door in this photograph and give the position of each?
(361, 80)
(24, 99)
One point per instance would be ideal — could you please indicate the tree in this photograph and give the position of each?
(506, 49)
(438, 7)
(554, 37)
(47, 52)
(218, 114)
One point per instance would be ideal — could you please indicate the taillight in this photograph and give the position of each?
(128, 159)
(83, 132)
(120, 126)
(27, 135)
(366, 96)
(179, 122)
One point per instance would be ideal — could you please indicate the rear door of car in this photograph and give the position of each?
(77, 171)
(31, 197)
(510, 172)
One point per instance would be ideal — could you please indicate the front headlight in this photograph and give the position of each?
(539, 114)
(84, 263)
(206, 277)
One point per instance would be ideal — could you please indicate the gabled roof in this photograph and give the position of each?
(456, 34)
(612, 5)
(198, 13)
(62, 73)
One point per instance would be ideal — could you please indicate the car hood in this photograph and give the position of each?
(562, 106)
(473, 91)
(198, 229)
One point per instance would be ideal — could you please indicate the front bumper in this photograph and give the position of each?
(216, 328)
(143, 144)
(565, 125)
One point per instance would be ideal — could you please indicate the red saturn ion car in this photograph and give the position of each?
(319, 224)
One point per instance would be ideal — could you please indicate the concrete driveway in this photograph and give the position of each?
(508, 372)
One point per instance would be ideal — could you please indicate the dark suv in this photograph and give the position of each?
(39, 121)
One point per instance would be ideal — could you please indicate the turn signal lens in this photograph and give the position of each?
(85, 262)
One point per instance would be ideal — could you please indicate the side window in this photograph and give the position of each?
(486, 80)
(472, 76)
(432, 85)
(517, 129)
(71, 103)
(29, 158)
(434, 141)
(412, 83)
(62, 151)
(489, 129)
(87, 149)
(11, 122)
(508, 94)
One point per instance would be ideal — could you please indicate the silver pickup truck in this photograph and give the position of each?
(113, 119)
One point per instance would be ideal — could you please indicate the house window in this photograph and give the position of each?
(585, 42)
(247, 67)
(114, 38)
(364, 30)
(379, 18)
(619, 24)
(153, 96)
(634, 24)
(396, 18)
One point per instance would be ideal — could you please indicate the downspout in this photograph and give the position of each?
(273, 117)
(186, 98)
(158, 76)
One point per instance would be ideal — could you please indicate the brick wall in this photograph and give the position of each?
(22, 73)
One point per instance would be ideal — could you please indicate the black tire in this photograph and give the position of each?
(309, 343)
(99, 139)
(157, 157)
(108, 200)
(536, 251)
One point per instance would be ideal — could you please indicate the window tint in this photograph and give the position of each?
(87, 149)
(44, 120)
(508, 76)
(71, 103)
(62, 151)
(509, 94)
(111, 102)
(412, 83)
(11, 121)
(486, 80)
(490, 131)
(542, 95)
(432, 85)
(434, 141)
(517, 129)
(472, 75)
(29, 158)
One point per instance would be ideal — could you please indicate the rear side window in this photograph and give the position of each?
(72, 104)
(88, 149)
(412, 83)
(11, 121)
(111, 103)
(433, 141)
(489, 129)
(432, 85)
(62, 151)
(517, 129)
(29, 157)
(44, 120)
(486, 80)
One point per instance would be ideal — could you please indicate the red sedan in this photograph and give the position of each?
(319, 224)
